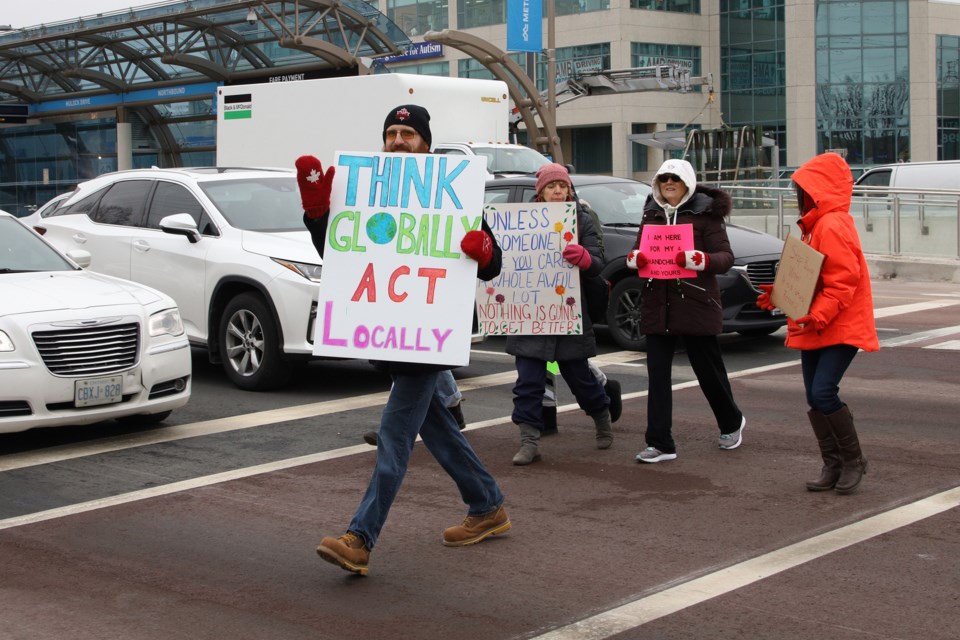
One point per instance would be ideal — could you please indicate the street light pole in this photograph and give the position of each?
(552, 74)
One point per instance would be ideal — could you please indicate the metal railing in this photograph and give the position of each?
(891, 222)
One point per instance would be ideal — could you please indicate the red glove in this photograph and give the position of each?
(636, 260)
(479, 246)
(804, 325)
(763, 300)
(314, 186)
(696, 260)
(577, 256)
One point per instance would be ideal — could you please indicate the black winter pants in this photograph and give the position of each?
(707, 362)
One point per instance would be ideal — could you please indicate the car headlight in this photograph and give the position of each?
(166, 323)
(309, 271)
(6, 344)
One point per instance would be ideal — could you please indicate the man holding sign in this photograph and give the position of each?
(681, 246)
(414, 406)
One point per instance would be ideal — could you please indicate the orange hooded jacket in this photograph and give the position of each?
(843, 302)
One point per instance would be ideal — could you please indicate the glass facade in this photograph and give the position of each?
(416, 17)
(863, 80)
(948, 98)
(680, 6)
(482, 13)
(753, 66)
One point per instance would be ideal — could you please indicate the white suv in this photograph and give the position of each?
(503, 159)
(227, 244)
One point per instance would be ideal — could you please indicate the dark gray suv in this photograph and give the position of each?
(619, 204)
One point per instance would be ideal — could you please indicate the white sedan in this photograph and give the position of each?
(78, 347)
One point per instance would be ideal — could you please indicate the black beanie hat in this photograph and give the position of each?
(411, 115)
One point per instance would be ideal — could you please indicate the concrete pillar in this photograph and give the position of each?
(124, 142)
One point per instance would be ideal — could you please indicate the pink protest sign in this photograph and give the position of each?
(661, 243)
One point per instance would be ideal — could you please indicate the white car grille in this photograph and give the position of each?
(89, 350)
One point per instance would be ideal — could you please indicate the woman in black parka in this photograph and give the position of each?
(687, 308)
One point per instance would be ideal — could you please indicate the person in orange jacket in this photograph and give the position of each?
(840, 321)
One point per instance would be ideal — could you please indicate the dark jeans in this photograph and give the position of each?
(707, 362)
(532, 380)
(416, 407)
(822, 371)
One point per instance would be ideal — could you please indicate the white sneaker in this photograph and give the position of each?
(652, 454)
(733, 440)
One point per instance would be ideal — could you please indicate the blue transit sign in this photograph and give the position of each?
(525, 25)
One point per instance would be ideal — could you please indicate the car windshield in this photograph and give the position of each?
(511, 159)
(616, 203)
(258, 204)
(22, 250)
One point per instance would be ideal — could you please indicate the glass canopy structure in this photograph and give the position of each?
(66, 88)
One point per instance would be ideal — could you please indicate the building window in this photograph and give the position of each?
(752, 66)
(426, 69)
(948, 98)
(473, 68)
(571, 7)
(416, 17)
(863, 80)
(592, 149)
(646, 54)
(680, 6)
(481, 13)
(574, 60)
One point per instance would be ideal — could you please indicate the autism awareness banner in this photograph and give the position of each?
(661, 243)
(537, 292)
(395, 285)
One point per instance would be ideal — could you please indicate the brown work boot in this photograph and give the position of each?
(348, 551)
(370, 437)
(476, 528)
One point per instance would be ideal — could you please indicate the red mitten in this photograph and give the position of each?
(636, 260)
(804, 325)
(696, 260)
(577, 256)
(479, 246)
(314, 186)
(763, 300)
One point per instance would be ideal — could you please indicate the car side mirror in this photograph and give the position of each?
(181, 224)
(81, 257)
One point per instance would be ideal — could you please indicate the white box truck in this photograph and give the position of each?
(272, 124)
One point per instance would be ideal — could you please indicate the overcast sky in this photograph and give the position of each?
(30, 13)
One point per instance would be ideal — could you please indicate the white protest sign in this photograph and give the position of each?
(538, 291)
(395, 285)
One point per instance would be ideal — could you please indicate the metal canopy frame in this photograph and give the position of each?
(192, 41)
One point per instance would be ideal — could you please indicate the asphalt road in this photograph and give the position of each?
(206, 527)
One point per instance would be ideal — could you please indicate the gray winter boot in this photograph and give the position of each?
(604, 429)
(529, 445)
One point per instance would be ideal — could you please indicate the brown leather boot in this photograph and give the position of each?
(476, 528)
(349, 552)
(854, 464)
(829, 451)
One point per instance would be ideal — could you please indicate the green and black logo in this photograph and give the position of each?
(237, 107)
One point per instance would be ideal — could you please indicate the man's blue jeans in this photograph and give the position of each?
(447, 388)
(415, 406)
(822, 371)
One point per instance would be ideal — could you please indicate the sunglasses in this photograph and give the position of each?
(667, 177)
(405, 134)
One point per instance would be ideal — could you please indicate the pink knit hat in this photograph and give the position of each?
(551, 173)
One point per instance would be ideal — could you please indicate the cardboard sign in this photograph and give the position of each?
(796, 279)
(661, 243)
(395, 285)
(538, 291)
